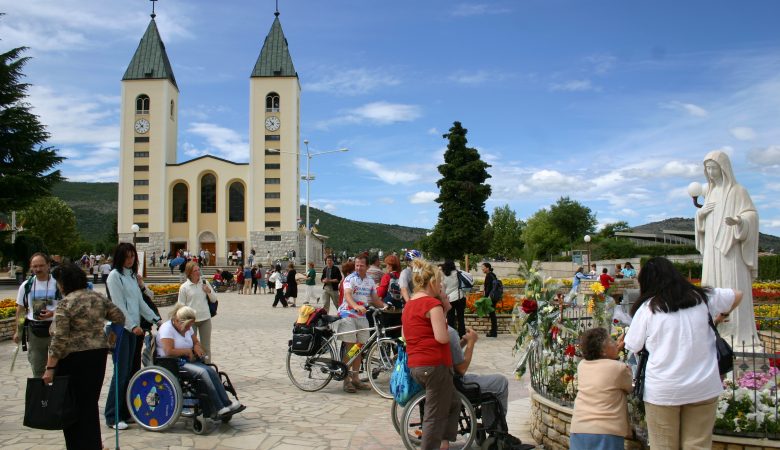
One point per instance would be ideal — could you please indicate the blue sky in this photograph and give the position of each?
(612, 103)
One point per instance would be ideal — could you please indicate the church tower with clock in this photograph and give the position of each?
(209, 203)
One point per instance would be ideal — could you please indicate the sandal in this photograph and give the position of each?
(361, 386)
(348, 387)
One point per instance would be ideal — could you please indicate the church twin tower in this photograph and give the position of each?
(208, 202)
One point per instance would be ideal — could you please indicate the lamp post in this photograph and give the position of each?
(695, 190)
(308, 178)
(587, 241)
(135, 229)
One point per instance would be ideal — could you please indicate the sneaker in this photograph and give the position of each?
(121, 425)
(234, 405)
(223, 411)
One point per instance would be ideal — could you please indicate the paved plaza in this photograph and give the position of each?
(250, 344)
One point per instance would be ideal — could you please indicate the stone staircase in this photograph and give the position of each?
(162, 274)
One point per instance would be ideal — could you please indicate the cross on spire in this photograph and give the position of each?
(153, 14)
(277, 9)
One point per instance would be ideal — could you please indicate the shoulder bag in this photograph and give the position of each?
(722, 349)
(639, 377)
(49, 407)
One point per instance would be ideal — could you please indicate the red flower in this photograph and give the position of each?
(570, 351)
(554, 332)
(529, 306)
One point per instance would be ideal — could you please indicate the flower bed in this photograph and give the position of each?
(160, 289)
(505, 306)
(7, 308)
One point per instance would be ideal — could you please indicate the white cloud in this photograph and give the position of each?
(601, 63)
(546, 182)
(478, 77)
(477, 9)
(743, 133)
(771, 223)
(423, 197)
(386, 200)
(383, 173)
(222, 142)
(352, 82)
(378, 113)
(76, 117)
(689, 108)
(95, 176)
(679, 169)
(769, 156)
(574, 86)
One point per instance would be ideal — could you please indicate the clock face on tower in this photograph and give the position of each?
(141, 126)
(272, 123)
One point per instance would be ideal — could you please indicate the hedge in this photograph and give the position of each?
(768, 268)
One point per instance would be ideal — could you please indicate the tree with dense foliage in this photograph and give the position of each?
(610, 229)
(25, 163)
(53, 221)
(541, 237)
(462, 194)
(505, 232)
(572, 220)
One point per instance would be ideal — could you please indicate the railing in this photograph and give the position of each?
(748, 407)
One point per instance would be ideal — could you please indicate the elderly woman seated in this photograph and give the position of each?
(176, 339)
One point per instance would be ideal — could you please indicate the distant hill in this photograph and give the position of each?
(95, 206)
(766, 242)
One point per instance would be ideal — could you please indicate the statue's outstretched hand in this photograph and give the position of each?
(736, 220)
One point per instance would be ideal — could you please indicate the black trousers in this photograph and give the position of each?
(493, 321)
(86, 369)
(456, 316)
(279, 297)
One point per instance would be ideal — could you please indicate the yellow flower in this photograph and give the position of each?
(597, 288)
(591, 306)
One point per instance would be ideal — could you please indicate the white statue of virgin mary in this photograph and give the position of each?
(727, 236)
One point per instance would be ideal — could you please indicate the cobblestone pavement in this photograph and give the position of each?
(249, 342)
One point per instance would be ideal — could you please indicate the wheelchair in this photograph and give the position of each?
(160, 393)
(408, 420)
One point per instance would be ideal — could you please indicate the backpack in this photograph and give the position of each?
(402, 385)
(465, 282)
(497, 293)
(393, 296)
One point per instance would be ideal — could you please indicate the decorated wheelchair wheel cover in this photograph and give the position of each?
(154, 398)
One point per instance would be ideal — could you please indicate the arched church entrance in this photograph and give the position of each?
(208, 243)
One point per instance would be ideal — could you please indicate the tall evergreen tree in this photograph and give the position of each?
(462, 195)
(25, 163)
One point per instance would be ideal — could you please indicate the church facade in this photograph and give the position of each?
(210, 203)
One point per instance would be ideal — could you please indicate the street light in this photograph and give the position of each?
(308, 178)
(135, 229)
(695, 190)
(587, 241)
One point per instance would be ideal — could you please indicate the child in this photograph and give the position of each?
(278, 279)
(600, 410)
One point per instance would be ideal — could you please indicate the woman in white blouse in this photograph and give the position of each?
(196, 292)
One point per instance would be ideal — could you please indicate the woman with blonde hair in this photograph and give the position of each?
(176, 339)
(196, 293)
(430, 360)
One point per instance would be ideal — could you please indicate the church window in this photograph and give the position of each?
(273, 195)
(273, 237)
(273, 166)
(141, 139)
(171, 109)
(140, 196)
(272, 223)
(272, 151)
(236, 202)
(141, 154)
(141, 168)
(142, 104)
(140, 182)
(273, 209)
(273, 181)
(272, 102)
(272, 137)
(179, 203)
(208, 193)
(141, 211)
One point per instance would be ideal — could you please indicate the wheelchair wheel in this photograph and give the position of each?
(412, 421)
(200, 425)
(154, 398)
(311, 373)
(380, 366)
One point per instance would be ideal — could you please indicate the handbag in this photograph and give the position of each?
(723, 350)
(639, 377)
(49, 407)
(213, 307)
(402, 385)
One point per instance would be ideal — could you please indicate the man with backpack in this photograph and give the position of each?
(494, 289)
(405, 280)
(36, 301)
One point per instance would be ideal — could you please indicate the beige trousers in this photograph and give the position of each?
(682, 427)
(203, 329)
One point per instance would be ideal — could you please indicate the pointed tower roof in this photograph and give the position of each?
(275, 60)
(150, 60)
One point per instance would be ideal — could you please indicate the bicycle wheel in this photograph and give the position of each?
(380, 366)
(412, 423)
(311, 373)
(396, 415)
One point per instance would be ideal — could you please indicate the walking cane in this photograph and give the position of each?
(119, 331)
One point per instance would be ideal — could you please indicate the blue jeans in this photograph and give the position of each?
(584, 441)
(123, 372)
(210, 381)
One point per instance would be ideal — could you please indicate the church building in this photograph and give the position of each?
(208, 202)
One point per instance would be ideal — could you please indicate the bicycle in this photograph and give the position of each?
(314, 372)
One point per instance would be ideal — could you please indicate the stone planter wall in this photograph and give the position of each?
(550, 424)
(165, 299)
(7, 328)
(482, 324)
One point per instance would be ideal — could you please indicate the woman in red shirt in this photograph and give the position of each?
(430, 360)
(393, 270)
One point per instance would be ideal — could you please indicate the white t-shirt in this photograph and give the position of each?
(168, 331)
(41, 296)
(683, 366)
